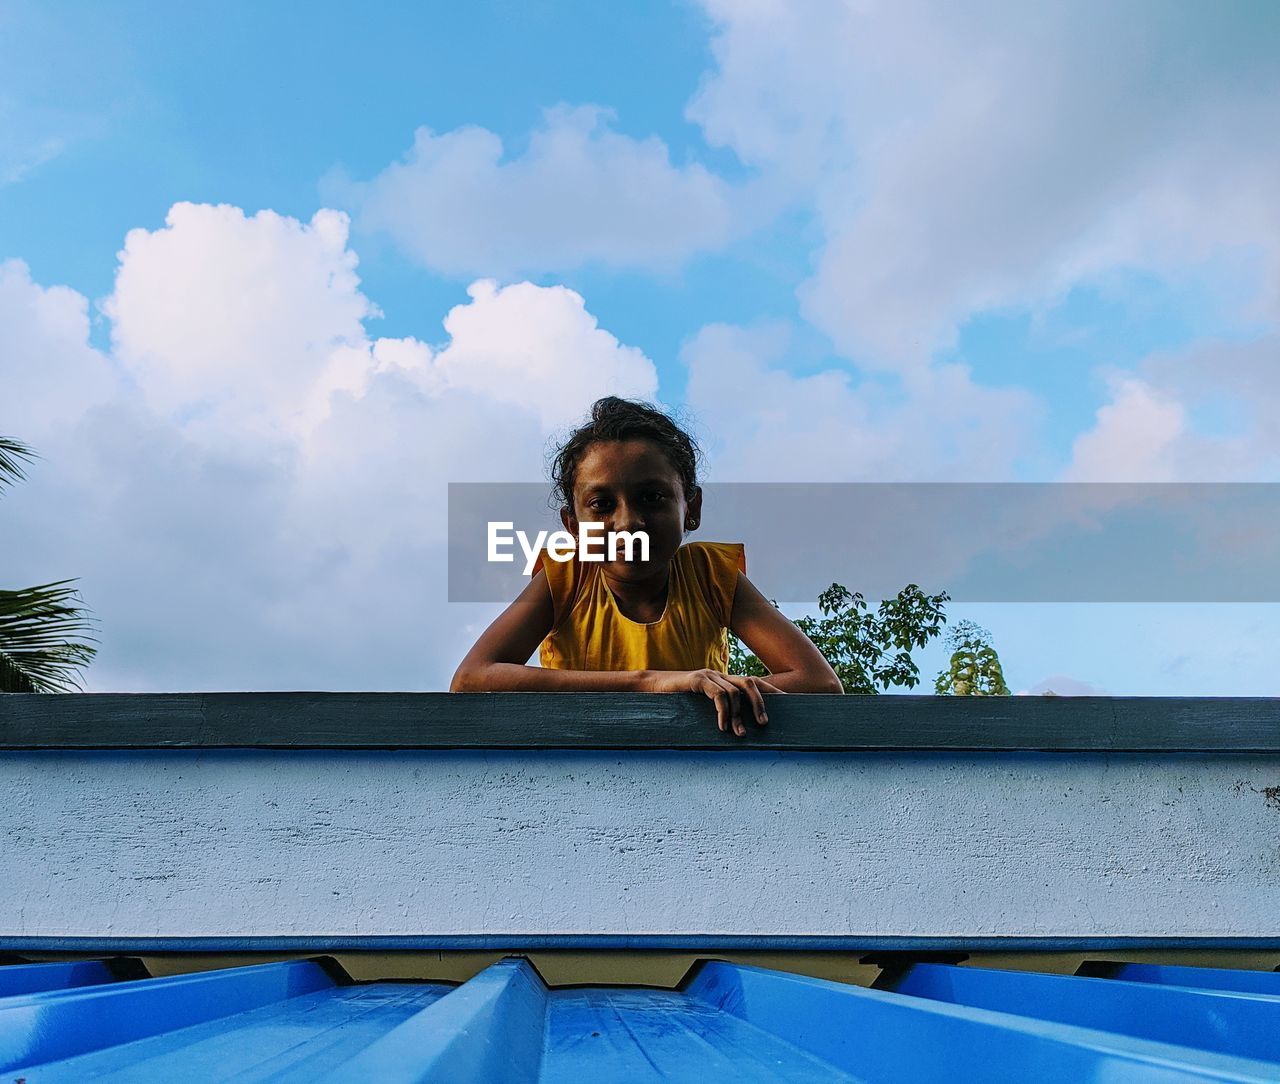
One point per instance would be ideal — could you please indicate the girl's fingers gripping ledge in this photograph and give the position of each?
(733, 696)
(752, 687)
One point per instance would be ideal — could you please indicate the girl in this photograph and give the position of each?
(657, 626)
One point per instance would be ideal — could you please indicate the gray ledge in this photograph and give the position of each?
(545, 720)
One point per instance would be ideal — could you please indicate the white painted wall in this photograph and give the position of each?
(217, 843)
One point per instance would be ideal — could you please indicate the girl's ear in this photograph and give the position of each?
(568, 519)
(693, 515)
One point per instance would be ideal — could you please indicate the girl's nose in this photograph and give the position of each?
(628, 520)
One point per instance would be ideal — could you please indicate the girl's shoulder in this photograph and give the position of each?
(733, 552)
(564, 579)
(715, 565)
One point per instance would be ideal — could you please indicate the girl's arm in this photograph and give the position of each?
(794, 664)
(497, 664)
(497, 661)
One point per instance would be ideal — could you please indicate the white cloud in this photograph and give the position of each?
(770, 425)
(255, 321)
(1202, 414)
(1134, 439)
(51, 376)
(538, 347)
(773, 425)
(291, 534)
(968, 157)
(235, 316)
(581, 193)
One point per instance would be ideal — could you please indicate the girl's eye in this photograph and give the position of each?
(599, 502)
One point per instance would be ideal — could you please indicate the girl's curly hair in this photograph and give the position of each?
(613, 418)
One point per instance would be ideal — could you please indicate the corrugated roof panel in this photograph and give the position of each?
(303, 1021)
(300, 1038)
(33, 978)
(1244, 1024)
(39, 1029)
(1205, 978)
(488, 1029)
(887, 1036)
(664, 1035)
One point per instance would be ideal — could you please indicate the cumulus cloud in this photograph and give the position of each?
(230, 317)
(767, 424)
(773, 425)
(1201, 414)
(263, 483)
(968, 158)
(225, 319)
(1136, 437)
(581, 193)
(51, 375)
(570, 361)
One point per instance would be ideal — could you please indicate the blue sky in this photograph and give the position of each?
(903, 244)
(255, 105)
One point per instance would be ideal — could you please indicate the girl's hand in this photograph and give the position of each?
(729, 691)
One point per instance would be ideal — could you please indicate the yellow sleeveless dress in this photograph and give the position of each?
(591, 633)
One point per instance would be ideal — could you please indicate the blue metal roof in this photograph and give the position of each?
(305, 1021)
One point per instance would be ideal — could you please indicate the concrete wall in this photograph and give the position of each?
(435, 845)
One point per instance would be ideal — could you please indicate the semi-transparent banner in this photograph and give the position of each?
(979, 542)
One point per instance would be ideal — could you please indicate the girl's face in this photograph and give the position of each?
(630, 485)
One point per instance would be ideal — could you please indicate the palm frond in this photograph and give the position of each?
(13, 679)
(10, 468)
(36, 654)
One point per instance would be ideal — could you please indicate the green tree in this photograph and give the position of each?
(975, 666)
(36, 655)
(863, 648)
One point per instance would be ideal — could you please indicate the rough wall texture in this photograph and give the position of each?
(216, 843)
